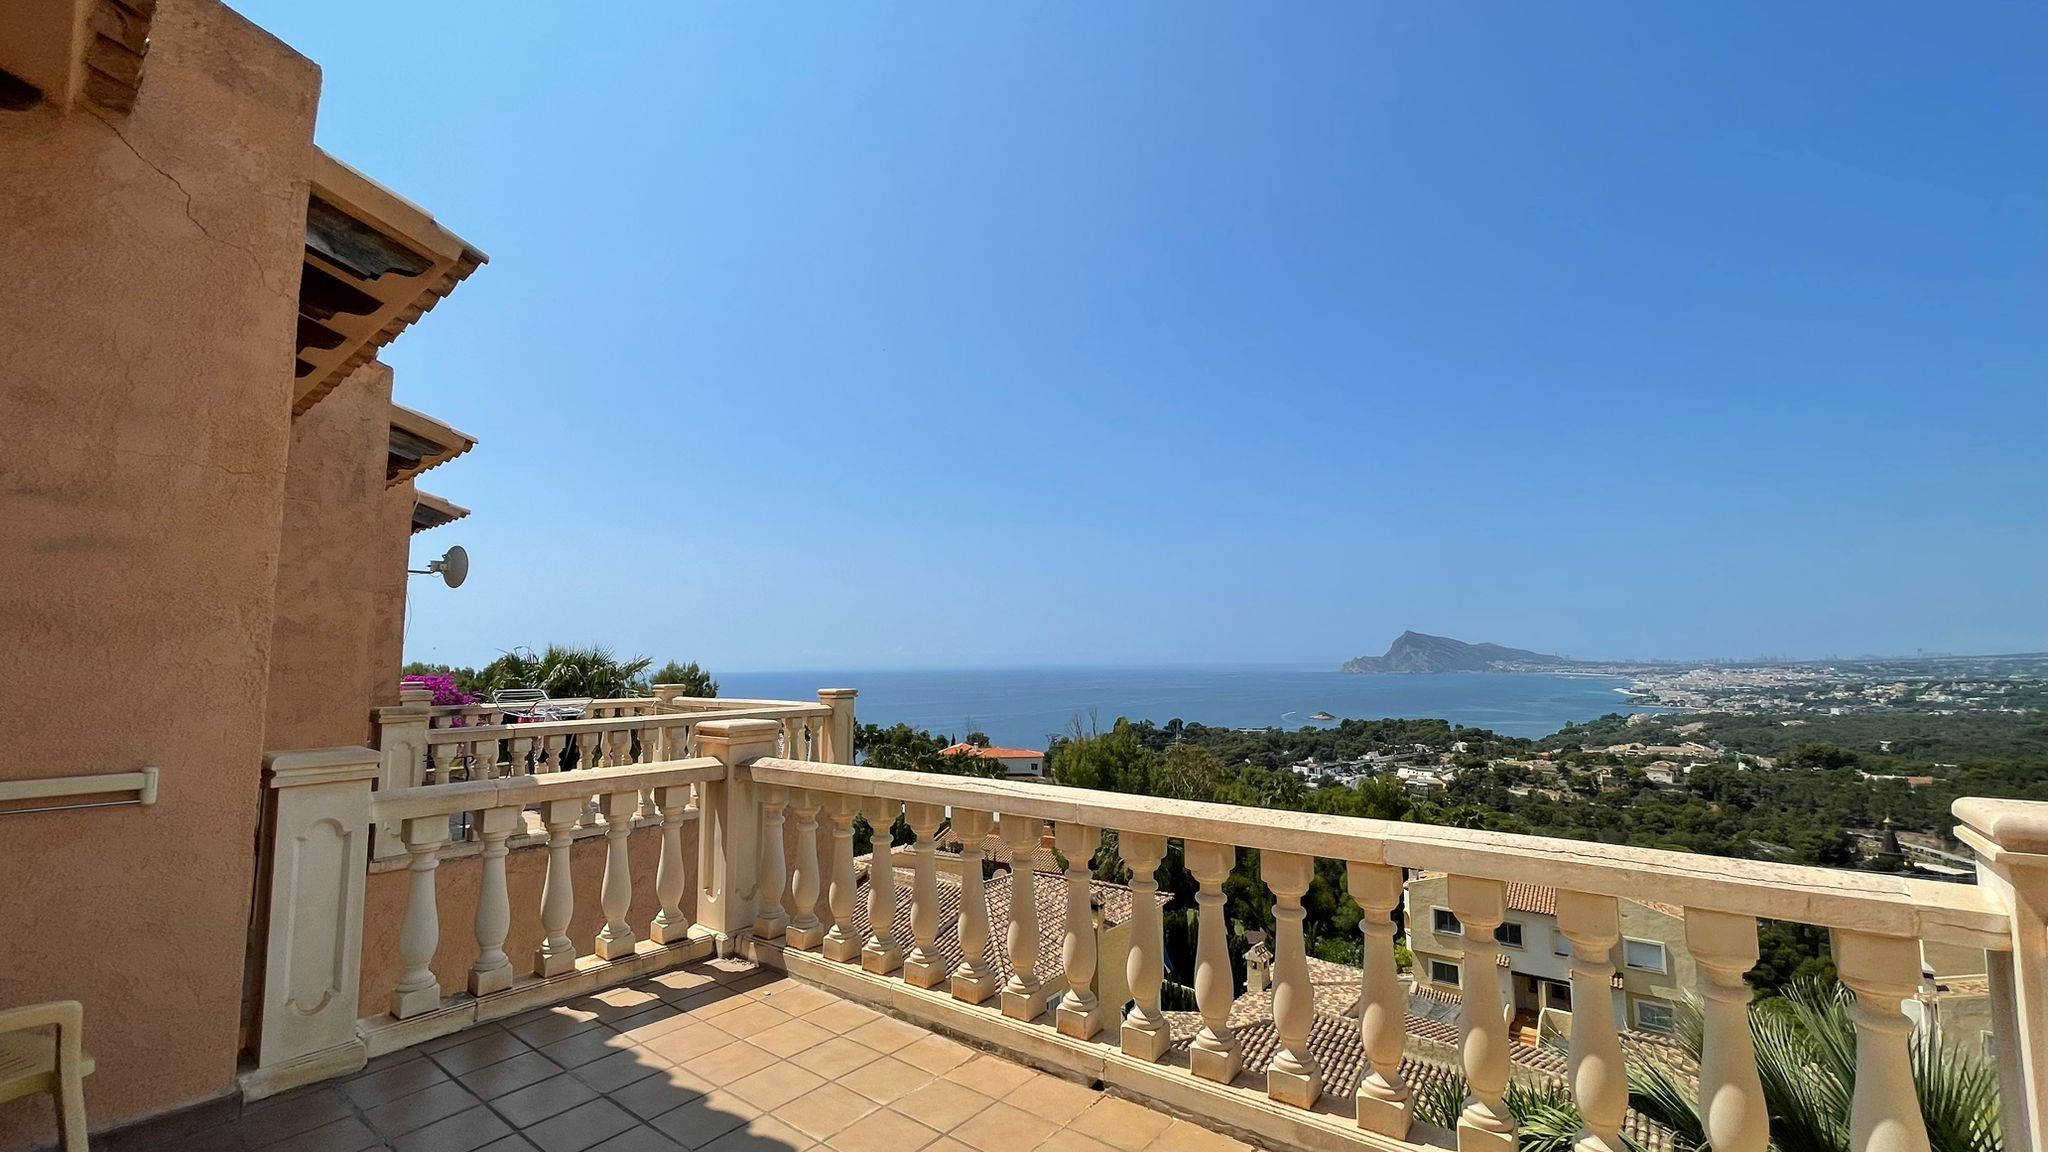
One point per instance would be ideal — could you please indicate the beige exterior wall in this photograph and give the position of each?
(145, 373)
(340, 627)
(1639, 922)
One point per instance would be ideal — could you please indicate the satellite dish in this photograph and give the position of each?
(452, 567)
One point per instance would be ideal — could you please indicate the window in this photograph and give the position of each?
(1654, 1016)
(1644, 955)
(1509, 933)
(1444, 922)
(1560, 945)
(1444, 972)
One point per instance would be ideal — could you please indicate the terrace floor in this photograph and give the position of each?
(720, 1056)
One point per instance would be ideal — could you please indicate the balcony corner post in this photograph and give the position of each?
(2010, 839)
(402, 756)
(729, 830)
(313, 863)
(837, 746)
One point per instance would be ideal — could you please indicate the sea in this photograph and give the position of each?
(1027, 707)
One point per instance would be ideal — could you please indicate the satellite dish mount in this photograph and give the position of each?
(452, 567)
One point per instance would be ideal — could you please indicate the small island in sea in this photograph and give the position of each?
(1417, 652)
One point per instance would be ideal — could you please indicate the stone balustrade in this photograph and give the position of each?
(775, 879)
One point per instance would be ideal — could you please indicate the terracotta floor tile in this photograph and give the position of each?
(619, 1003)
(791, 1037)
(842, 1016)
(990, 1075)
(941, 1104)
(1055, 1099)
(887, 1034)
(536, 1102)
(713, 1002)
(825, 1110)
(641, 1139)
(882, 1131)
(393, 1082)
(1122, 1124)
(462, 1132)
(494, 1080)
(347, 1134)
(935, 1054)
(947, 1144)
(752, 1018)
(489, 1048)
(580, 1127)
(272, 1121)
(774, 1086)
(621, 1068)
(1068, 1140)
(705, 1119)
(795, 998)
(665, 1090)
(835, 1057)
(735, 1061)
(1002, 1128)
(1181, 1136)
(678, 983)
(551, 1024)
(686, 1044)
(407, 1113)
(886, 1080)
(654, 1022)
(583, 1047)
(761, 1134)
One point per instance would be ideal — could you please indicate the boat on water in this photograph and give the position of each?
(1322, 716)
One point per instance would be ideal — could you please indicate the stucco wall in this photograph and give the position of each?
(145, 374)
(340, 571)
(458, 882)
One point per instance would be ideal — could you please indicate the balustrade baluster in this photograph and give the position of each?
(1599, 1078)
(648, 755)
(771, 874)
(921, 968)
(1215, 1053)
(1382, 1101)
(615, 939)
(974, 980)
(1883, 971)
(1144, 1033)
(417, 991)
(842, 942)
(670, 925)
(1024, 994)
(556, 954)
(882, 955)
(1732, 1106)
(1294, 1076)
(805, 932)
(523, 756)
(1080, 1013)
(1486, 1123)
(551, 751)
(492, 970)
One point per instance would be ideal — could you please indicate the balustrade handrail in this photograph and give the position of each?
(1871, 902)
(519, 791)
(541, 728)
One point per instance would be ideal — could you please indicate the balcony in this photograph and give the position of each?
(764, 990)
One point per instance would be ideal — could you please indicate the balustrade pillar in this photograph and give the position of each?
(836, 745)
(555, 954)
(1080, 1013)
(1599, 1078)
(1215, 1053)
(492, 970)
(922, 967)
(1732, 1106)
(1024, 994)
(1144, 1033)
(729, 830)
(842, 942)
(882, 954)
(2010, 841)
(417, 991)
(805, 932)
(402, 757)
(974, 980)
(771, 919)
(1294, 1077)
(1383, 1102)
(1486, 1124)
(615, 939)
(1883, 971)
(671, 925)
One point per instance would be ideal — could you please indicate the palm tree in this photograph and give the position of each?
(1806, 1056)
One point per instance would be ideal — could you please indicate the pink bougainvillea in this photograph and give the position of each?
(445, 691)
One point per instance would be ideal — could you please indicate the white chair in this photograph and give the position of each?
(32, 1062)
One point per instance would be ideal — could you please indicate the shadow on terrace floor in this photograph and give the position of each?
(714, 1057)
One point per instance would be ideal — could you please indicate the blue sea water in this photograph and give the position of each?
(1027, 707)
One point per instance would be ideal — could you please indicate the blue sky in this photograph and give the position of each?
(938, 335)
